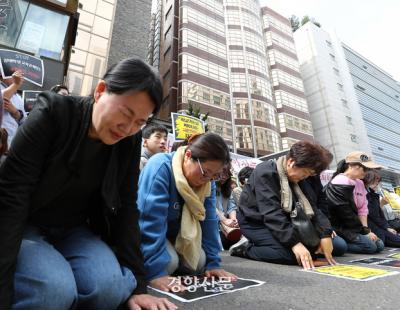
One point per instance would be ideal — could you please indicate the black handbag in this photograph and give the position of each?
(308, 234)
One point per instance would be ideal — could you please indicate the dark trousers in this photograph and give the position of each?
(263, 246)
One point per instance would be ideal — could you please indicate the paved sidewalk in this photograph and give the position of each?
(287, 288)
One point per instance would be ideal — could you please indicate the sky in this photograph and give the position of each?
(370, 27)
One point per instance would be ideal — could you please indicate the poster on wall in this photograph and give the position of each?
(184, 126)
(32, 67)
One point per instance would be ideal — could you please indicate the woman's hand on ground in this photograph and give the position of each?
(372, 236)
(326, 248)
(167, 283)
(146, 301)
(303, 256)
(220, 273)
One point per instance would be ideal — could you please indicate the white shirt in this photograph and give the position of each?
(9, 122)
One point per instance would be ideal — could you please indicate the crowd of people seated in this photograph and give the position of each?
(92, 211)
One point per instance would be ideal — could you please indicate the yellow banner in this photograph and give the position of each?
(353, 272)
(184, 126)
(397, 190)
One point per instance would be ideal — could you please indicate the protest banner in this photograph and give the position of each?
(29, 99)
(352, 272)
(184, 126)
(200, 287)
(240, 161)
(397, 190)
(31, 67)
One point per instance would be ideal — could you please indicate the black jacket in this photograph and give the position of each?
(376, 219)
(43, 157)
(260, 202)
(343, 211)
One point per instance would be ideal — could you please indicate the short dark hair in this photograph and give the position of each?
(371, 177)
(310, 155)
(133, 74)
(57, 88)
(152, 128)
(209, 146)
(244, 174)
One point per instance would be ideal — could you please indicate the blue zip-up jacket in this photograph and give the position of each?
(160, 207)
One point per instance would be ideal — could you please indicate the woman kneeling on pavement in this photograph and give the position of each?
(376, 218)
(266, 206)
(348, 205)
(70, 177)
(178, 219)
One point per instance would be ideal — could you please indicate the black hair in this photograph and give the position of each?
(342, 166)
(310, 155)
(209, 146)
(371, 177)
(225, 188)
(57, 88)
(133, 74)
(3, 141)
(152, 128)
(244, 174)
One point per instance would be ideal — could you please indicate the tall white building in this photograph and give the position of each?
(352, 107)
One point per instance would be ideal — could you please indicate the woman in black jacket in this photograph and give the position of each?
(376, 219)
(70, 177)
(348, 206)
(266, 205)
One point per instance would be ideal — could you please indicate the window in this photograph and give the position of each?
(168, 12)
(34, 29)
(336, 71)
(360, 87)
(353, 138)
(167, 32)
(340, 86)
(365, 67)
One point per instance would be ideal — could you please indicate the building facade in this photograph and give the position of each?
(378, 95)
(214, 55)
(352, 102)
(45, 29)
(288, 90)
(108, 31)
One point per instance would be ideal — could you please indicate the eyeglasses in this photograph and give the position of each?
(215, 177)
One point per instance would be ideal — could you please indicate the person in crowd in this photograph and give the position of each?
(266, 205)
(243, 176)
(178, 218)
(226, 210)
(376, 219)
(348, 206)
(70, 178)
(13, 105)
(154, 141)
(60, 89)
(3, 144)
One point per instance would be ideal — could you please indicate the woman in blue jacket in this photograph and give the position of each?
(178, 219)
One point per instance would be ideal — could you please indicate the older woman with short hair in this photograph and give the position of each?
(266, 205)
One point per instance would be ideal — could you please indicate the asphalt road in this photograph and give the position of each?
(287, 287)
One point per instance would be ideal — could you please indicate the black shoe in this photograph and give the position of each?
(240, 248)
